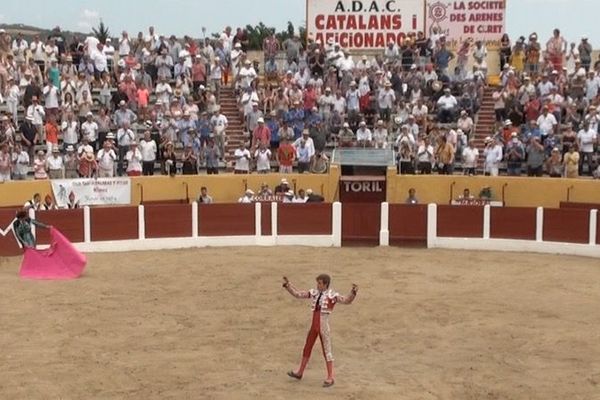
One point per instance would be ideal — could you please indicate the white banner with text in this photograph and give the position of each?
(364, 24)
(92, 192)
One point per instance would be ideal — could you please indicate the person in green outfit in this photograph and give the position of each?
(22, 228)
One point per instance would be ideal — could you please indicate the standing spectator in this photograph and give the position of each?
(70, 130)
(547, 122)
(39, 166)
(12, 97)
(5, 164)
(470, 156)
(263, 159)
(242, 159)
(125, 137)
(219, 124)
(425, 156)
(493, 156)
(89, 130)
(29, 135)
(515, 154)
(36, 111)
(20, 163)
(554, 164)
(535, 157)
(571, 163)
(447, 107)
(134, 160)
(585, 53)
(88, 166)
(51, 129)
(71, 163)
(586, 139)
(444, 155)
(386, 100)
(286, 155)
(148, 150)
(533, 51)
(190, 161)
(303, 154)
(54, 165)
(106, 161)
(556, 49)
(261, 134)
(211, 158)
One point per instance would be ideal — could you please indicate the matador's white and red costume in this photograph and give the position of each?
(322, 304)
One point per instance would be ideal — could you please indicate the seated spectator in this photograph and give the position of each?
(204, 198)
(247, 198)
(446, 107)
(412, 197)
(319, 163)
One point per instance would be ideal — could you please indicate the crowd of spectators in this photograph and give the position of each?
(123, 106)
(546, 108)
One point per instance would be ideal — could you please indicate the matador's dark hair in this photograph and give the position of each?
(326, 279)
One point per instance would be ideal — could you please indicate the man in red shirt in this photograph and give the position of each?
(286, 154)
(198, 73)
(51, 129)
(261, 134)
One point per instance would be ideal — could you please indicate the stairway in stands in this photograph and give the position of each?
(486, 120)
(235, 131)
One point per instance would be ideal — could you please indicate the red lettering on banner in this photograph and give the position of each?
(396, 22)
(319, 21)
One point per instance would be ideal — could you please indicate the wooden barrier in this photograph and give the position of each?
(460, 221)
(566, 225)
(168, 221)
(68, 222)
(304, 219)
(512, 223)
(360, 223)
(114, 223)
(226, 219)
(408, 224)
(265, 219)
(581, 206)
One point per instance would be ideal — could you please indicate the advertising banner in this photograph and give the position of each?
(364, 24)
(461, 20)
(92, 192)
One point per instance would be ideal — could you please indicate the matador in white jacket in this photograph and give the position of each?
(323, 300)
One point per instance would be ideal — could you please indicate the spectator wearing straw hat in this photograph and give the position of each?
(55, 165)
(71, 163)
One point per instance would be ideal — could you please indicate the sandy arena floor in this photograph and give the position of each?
(216, 324)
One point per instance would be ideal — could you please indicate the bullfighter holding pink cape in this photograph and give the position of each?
(60, 261)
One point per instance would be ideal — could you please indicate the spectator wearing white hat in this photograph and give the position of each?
(242, 159)
(89, 129)
(106, 159)
(493, 156)
(262, 155)
(134, 160)
(364, 137)
(71, 163)
(12, 98)
(261, 135)
(55, 165)
(247, 198)
(247, 74)
(380, 135)
(386, 99)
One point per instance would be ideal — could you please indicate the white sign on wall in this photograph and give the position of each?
(92, 192)
(364, 24)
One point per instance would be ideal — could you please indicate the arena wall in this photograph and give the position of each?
(183, 189)
(573, 231)
(518, 191)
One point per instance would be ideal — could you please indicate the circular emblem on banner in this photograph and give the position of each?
(438, 12)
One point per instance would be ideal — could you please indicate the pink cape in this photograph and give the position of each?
(60, 261)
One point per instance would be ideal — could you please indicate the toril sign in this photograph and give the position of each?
(364, 187)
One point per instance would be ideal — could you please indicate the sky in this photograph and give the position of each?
(574, 17)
